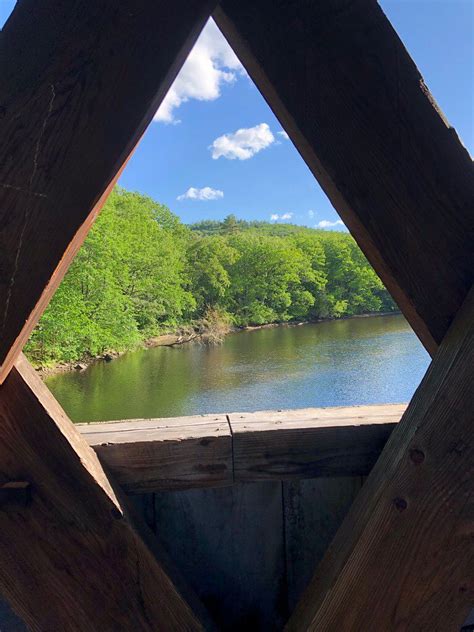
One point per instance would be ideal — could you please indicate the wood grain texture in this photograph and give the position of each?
(80, 81)
(347, 92)
(403, 557)
(73, 559)
(342, 441)
(313, 511)
(148, 455)
(165, 454)
(229, 545)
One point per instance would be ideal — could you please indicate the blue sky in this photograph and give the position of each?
(192, 151)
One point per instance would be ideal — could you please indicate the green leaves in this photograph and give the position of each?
(141, 272)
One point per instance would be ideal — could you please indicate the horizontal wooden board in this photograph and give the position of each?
(165, 454)
(215, 450)
(343, 441)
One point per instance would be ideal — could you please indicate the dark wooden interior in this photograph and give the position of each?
(79, 83)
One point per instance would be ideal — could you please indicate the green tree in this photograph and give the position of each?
(209, 261)
(141, 272)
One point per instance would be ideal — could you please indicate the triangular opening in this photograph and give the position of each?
(251, 240)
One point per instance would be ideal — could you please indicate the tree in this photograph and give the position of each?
(141, 272)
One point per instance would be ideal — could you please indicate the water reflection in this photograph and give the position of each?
(358, 361)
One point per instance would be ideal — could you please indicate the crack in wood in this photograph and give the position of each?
(20, 190)
(26, 215)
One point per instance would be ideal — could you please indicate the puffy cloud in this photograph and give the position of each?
(275, 217)
(243, 144)
(206, 193)
(283, 134)
(325, 223)
(311, 213)
(210, 64)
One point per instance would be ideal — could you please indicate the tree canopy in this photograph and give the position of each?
(142, 272)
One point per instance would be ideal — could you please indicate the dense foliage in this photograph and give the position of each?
(141, 272)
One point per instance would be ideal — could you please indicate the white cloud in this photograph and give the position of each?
(283, 134)
(206, 193)
(244, 143)
(210, 64)
(275, 217)
(325, 223)
(311, 213)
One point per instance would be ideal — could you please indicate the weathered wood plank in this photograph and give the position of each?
(79, 84)
(229, 545)
(403, 557)
(215, 450)
(165, 454)
(313, 511)
(73, 559)
(311, 442)
(355, 105)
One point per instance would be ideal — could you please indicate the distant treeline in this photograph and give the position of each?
(141, 272)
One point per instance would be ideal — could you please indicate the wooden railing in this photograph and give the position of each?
(217, 450)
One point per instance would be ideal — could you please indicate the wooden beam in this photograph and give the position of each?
(345, 441)
(403, 558)
(216, 450)
(164, 454)
(347, 92)
(72, 558)
(79, 84)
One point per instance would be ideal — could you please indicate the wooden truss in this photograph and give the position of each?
(79, 83)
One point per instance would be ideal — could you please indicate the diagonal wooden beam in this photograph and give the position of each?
(353, 102)
(79, 83)
(72, 557)
(403, 558)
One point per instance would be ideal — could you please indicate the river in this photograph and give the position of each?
(339, 363)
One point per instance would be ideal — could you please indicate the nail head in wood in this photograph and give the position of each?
(400, 503)
(417, 456)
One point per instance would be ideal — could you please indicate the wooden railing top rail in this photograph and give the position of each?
(217, 450)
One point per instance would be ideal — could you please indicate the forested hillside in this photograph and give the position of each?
(142, 272)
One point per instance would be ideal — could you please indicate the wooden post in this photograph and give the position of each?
(353, 102)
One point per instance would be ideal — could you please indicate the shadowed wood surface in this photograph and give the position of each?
(72, 559)
(80, 81)
(342, 441)
(313, 511)
(215, 450)
(165, 454)
(345, 89)
(229, 544)
(406, 544)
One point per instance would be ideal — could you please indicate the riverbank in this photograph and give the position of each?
(187, 335)
(336, 363)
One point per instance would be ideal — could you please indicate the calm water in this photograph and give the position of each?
(359, 361)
